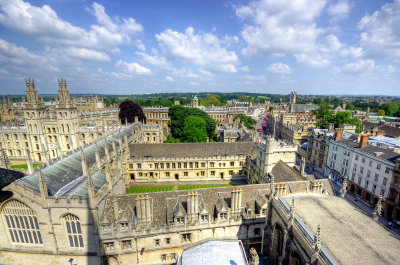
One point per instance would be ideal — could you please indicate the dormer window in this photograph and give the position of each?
(124, 226)
(204, 218)
(180, 220)
(223, 216)
(107, 228)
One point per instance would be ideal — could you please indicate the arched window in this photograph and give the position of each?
(22, 223)
(74, 231)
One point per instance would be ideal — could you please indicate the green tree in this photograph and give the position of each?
(211, 100)
(243, 98)
(390, 108)
(344, 117)
(270, 108)
(381, 112)
(247, 121)
(349, 106)
(178, 114)
(324, 115)
(171, 139)
(194, 129)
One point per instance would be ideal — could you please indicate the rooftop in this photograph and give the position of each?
(349, 236)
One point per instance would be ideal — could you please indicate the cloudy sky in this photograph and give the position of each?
(267, 46)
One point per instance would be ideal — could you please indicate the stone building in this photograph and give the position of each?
(318, 147)
(393, 200)
(188, 161)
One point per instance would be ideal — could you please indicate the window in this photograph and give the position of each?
(109, 246)
(139, 165)
(356, 157)
(74, 231)
(196, 164)
(203, 173)
(164, 257)
(173, 256)
(384, 182)
(157, 242)
(156, 165)
(204, 218)
(231, 172)
(223, 216)
(211, 164)
(173, 165)
(185, 173)
(241, 163)
(179, 165)
(185, 237)
(107, 228)
(362, 170)
(257, 232)
(387, 170)
(382, 192)
(376, 177)
(126, 244)
(363, 160)
(124, 226)
(370, 163)
(359, 180)
(264, 212)
(180, 220)
(185, 165)
(168, 241)
(140, 174)
(368, 173)
(167, 174)
(22, 223)
(203, 164)
(232, 164)
(353, 176)
(190, 164)
(212, 173)
(378, 166)
(373, 188)
(366, 184)
(355, 168)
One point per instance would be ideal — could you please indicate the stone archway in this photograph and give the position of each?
(112, 261)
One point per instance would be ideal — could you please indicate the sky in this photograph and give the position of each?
(148, 46)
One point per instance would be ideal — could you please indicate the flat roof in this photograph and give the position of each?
(349, 236)
(214, 252)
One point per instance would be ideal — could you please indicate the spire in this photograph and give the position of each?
(31, 92)
(96, 153)
(42, 185)
(63, 91)
(29, 162)
(84, 166)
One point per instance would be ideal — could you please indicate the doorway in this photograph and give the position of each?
(177, 176)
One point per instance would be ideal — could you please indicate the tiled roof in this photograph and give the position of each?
(191, 150)
(283, 173)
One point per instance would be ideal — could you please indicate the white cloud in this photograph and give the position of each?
(381, 34)
(206, 72)
(279, 68)
(83, 53)
(193, 83)
(339, 10)
(133, 68)
(170, 79)
(155, 60)
(354, 52)
(202, 49)
(316, 60)
(359, 66)
(258, 78)
(245, 69)
(11, 53)
(44, 24)
(140, 45)
(280, 27)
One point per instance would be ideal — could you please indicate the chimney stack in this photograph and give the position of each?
(381, 133)
(363, 141)
(338, 134)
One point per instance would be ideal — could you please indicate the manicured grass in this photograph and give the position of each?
(25, 166)
(193, 187)
(137, 189)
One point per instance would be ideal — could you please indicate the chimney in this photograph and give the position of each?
(363, 141)
(381, 133)
(338, 134)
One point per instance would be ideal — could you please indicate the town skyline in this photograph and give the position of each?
(312, 47)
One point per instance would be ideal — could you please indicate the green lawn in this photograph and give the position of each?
(193, 187)
(145, 189)
(25, 166)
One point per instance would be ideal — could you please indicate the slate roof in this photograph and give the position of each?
(283, 173)
(191, 150)
(166, 204)
(389, 131)
(304, 107)
(65, 177)
(7, 176)
(385, 154)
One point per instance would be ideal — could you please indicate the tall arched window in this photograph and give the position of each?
(74, 231)
(22, 223)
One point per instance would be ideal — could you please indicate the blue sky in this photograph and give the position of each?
(267, 46)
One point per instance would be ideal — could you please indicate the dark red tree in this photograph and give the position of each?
(129, 110)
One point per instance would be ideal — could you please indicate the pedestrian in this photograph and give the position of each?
(389, 225)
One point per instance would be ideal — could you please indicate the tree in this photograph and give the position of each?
(171, 139)
(129, 110)
(178, 114)
(324, 114)
(243, 98)
(247, 121)
(390, 108)
(211, 100)
(349, 106)
(381, 112)
(270, 108)
(344, 117)
(194, 130)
